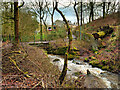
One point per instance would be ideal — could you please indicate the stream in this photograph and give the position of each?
(97, 79)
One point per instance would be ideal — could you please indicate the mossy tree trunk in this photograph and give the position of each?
(64, 71)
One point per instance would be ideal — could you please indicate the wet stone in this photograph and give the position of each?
(56, 60)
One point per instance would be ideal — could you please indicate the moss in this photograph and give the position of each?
(102, 33)
(96, 52)
(60, 51)
(86, 60)
(70, 36)
(70, 56)
(93, 58)
(77, 73)
(100, 65)
(94, 63)
(108, 50)
(104, 62)
(75, 49)
(105, 67)
(73, 52)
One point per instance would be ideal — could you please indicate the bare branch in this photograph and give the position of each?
(21, 4)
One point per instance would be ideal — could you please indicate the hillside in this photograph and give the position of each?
(107, 56)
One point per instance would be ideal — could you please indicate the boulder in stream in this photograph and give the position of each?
(56, 60)
(92, 81)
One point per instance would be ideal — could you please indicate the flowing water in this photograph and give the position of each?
(105, 78)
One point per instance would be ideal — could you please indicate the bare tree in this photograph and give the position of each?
(51, 12)
(40, 8)
(64, 71)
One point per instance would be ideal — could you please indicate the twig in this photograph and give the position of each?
(18, 67)
(35, 85)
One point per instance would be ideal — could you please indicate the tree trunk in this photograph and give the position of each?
(91, 12)
(52, 20)
(41, 37)
(103, 9)
(41, 30)
(81, 13)
(11, 19)
(77, 16)
(64, 71)
(108, 7)
(45, 26)
(16, 21)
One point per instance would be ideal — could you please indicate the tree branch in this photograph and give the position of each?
(21, 4)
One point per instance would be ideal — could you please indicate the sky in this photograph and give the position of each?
(67, 12)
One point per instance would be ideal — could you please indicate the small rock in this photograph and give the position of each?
(56, 60)
(88, 72)
(68, 69)
(78, 63)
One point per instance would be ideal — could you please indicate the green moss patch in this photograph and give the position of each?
(86, 60)
(94, 63)
(70, 56)
(105, 67)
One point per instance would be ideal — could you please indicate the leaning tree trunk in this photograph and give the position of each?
(16, 22)
(64, 71)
